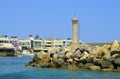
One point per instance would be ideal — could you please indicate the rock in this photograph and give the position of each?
(37, 65)
(107, 65)
(59, 62)
(68, 54)
(103, 64)
(80, 65)
(78, 52)
(76, 59)
(115, 52)
(97, 62)
(116, 61)
(84, 50)
(40, 54)
(87, 65)
(91, 58)
(55, 56)
(94, 68)
(70, 60)
(46, 58)
(118, 68)
(29, 64)
(72, 66)
(106, 51)
(107, 69)
(115, 56)
(64, 49)
(84, 56)
(35, 58)
(44, 65)
(51, 55)
(114, 45)
(53, 65)
(54, 51)
(102, 52)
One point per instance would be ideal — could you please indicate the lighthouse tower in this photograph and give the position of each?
(75, 42)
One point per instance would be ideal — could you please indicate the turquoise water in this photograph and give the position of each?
(13, 68)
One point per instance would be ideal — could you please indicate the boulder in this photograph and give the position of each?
(70, 60)
(118, 68)
(55, 56)
(44, 65)
(76, 59)
(77, 53)
(94, 68)
(115, 56)
(84, 50)
(59, 62)
(46, 58)
(51, 55)
(40, 54)
(80, 65)
(87, 65)
(90, 59)
(84, 56)
(64, 49)
(53, 65)
(102, 52)
(115, 52)
(103, 64)
(68, 54)
(72, 66)
(116, 61)
(114, 45)
(107, 65)
(35, 58)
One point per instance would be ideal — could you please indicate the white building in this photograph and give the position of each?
(14, 40)
(47, 43)
(67, 42)
(25, 44)
(5, 42)
(57, 43)
(37, 44)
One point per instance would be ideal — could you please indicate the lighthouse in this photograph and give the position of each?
(75, 42)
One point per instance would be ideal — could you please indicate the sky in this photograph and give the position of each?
(99, 20)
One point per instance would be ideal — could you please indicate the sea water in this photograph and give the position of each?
(14, 68)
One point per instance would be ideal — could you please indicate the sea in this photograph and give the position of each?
(14, 68)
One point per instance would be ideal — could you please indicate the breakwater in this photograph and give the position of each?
(104, 58)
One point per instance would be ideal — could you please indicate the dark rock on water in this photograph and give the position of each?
(103, 64)
(116, 62)
(44, 65)
(59, 62)
(87, 65)
(114, 52)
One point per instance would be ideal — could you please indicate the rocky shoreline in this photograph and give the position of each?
(106, 57)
